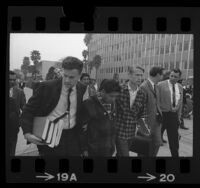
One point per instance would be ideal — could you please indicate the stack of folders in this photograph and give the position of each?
(49, 131)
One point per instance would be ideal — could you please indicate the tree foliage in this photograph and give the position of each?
(35, 57)
(85, 54)
(97, 61)
(25, 66)
(87, 38)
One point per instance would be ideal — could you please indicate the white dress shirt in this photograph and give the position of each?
(177, 96)
(132, 95)
(69, 120)
(86, 94)
(11, 92)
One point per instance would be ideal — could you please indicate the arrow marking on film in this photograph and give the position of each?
(149, 177)
(47, 177)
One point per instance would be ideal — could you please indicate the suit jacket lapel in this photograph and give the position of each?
(58, 88)
(155, 94)
(127, 95)
(78, 95)
(151, 87)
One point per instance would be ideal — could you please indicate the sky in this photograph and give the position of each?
(52, 47)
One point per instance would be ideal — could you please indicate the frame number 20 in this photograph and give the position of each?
(167, 177)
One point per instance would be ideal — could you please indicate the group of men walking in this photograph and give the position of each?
(105, 122)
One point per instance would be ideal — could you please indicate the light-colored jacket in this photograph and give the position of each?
(165, 97)
(152, 105)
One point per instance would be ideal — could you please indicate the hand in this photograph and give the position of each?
(174, 109)
(85, 127)
(33, 139)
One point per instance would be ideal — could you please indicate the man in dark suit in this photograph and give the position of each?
(17, 101)
(125, 119)
(21, 85)
(148, 96)
(52, 99)
(170, 100)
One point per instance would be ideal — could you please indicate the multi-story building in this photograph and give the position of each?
(119, 51)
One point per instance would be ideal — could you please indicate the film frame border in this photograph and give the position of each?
(114, 24)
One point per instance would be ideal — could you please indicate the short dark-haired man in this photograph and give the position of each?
(125, 119)
(99, 115)
(170, 100)
(52, 99)
(146, 102)
(85, 79)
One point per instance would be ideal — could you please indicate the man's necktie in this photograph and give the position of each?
(155, 90)
(68, 104)
(173, 95)
(155, 96)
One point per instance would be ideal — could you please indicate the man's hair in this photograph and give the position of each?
(156, 70)
(84, 75)
(51, 69)
(72, 63)
(132, 69)
(166, 75)
(109, 86)
(176, 70)
(12, 72)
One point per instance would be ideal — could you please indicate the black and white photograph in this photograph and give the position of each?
(100, 95)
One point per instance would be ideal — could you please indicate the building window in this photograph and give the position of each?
(161, 50)
(186, 44)
(139, 54)
(144, 39)
(178, 65)
(157, 51)
(192, 44)
(167, 49)
(185, 64)
(166, 65)
(180, 47)
(129, 56)
(162, 35)
(191, 64)
(171, 65)
(172, 48)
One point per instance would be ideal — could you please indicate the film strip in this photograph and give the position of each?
(162, 20)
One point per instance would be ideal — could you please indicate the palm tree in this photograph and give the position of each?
(25, 66)
(87, 38)
(35, 57)
(97, 62)
(85, 55)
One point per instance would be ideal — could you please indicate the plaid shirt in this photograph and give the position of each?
(127, 117)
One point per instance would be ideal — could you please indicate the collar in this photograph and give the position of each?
(66, 89)
(151, 82)
(129, 87)
(171, 83)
